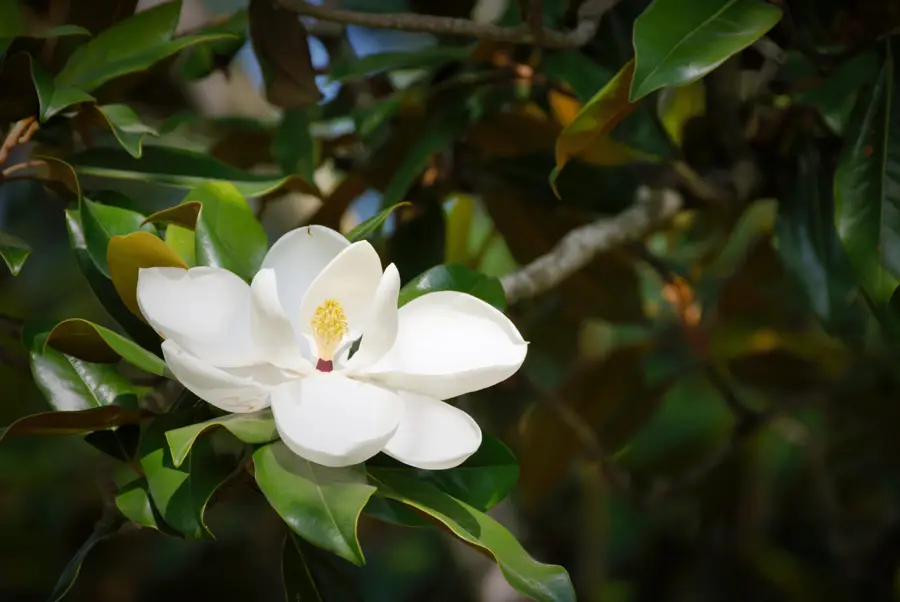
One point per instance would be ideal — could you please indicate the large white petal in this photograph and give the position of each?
(205, 310)
(233, 390)
(433, 434)
(335, 421)
(352, 279)
(297, 258)
(448, 344)
(380, 330)
(271, 329)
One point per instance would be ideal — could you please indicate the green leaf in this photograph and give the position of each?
(294, 147)
(227, 234)
(94, 343)
(181, 493)
(320, 504)
(102, 222)
(455, 278)
(542, 582)
(14, 252)
(70, 422)
(481, 481)
(677, 42)
(133, 501)
(372, 224)
(126, 126)
(308, 573)
(808, 244)
(372, 64)
(53, 98)
(180, 169)
(69, 383)
(199, 61)
(131, 45)
(103, 288)
(867, 187)
(255, 428)
(107, 528)
(119, 442)
(281, 46)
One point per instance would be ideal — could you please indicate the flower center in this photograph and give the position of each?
(328, 327)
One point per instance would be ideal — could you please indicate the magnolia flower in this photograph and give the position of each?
(285, 341)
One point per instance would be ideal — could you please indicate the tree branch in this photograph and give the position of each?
(589, 15)
(579, 246)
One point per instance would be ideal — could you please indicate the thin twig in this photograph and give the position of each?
(579, 247)
(20, 166)
(20, 133)
(589, 15)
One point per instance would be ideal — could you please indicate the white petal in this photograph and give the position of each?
(335, 421)
(297, 258)
(449, 344)
(205, 310)
(433, 434)
(352, 279)
(380, 330)
(233, 390)
(271, 329)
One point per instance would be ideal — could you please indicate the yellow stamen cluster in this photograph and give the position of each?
(329, 327)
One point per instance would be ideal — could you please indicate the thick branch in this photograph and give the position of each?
(579, 247)
(589, 15)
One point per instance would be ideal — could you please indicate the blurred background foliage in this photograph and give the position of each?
(708, 410)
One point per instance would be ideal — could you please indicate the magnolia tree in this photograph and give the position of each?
(653, 241)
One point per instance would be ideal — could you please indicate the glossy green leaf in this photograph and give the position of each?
(126, 126)
(69, 383)
(867, 186)
(455, 278)
(677, 42)
(481, 481)
(54, 98)
(293, 146)
(542, 582)
(372, 64)
(255, 427)
(181, 493)
(227, 234)
(14, 252)
(69, 422)
(131, 45)
(103, 288)
(180, 169)
(107, 528)
(94, 343)
(372, 224)
(320, 504)
(133, 501)
(102, 222)
(808, 244)
(183, 241)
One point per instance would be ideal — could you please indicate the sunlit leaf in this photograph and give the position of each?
(372, 224)
(320, 504)
(676, 43)
(255, 427)
(455, 278)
